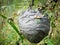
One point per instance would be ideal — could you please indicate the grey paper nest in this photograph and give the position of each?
(33, 25)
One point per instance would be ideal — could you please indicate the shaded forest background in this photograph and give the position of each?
(13, 8)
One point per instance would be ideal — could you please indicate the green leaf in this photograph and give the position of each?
(3, 16)
(12, 24)
(50, 42)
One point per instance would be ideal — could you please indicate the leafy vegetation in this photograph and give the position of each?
(9, 29)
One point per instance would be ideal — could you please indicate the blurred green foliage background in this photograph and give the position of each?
(11, 8)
